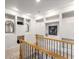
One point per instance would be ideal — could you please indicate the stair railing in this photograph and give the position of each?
(62, 47)
(33, 51)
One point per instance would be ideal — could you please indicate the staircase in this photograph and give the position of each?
(46, 48)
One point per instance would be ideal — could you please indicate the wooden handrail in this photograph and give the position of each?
(59, 45)
(52, 54)
(46, 51)
(59, 40)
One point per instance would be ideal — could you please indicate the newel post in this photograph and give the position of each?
(36, 39)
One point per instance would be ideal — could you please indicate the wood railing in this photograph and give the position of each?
(33, 51)
(61, 47)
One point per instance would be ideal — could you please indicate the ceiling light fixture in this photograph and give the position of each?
(37, 1)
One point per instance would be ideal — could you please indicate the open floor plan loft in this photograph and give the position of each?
(39, 29)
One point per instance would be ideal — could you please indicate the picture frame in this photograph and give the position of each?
(52, 30)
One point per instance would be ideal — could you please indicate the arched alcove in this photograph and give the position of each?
(9, 27)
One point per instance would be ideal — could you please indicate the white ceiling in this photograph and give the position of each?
(30, 6)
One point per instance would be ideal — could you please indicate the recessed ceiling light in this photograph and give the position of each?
(37, 1)
(16, 9)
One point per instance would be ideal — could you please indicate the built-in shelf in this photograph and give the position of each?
(20, 21)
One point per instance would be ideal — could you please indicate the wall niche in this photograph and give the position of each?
(52, 28)
(20, 21)
(9, 23)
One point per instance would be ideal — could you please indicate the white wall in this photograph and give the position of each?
(66, 27)
(37, 27)
(11, 38)
(40, 28)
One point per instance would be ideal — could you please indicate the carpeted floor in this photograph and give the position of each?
(12, 53)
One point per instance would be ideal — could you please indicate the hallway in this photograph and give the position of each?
(44, 25)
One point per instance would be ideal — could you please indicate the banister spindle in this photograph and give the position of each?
(28, 50)
(67, 50)
(42, 55)
(45, 44)
(32, 52)
(38, 54)
(49, 45)
(63, 49)
(57, 47)
(46, 56)
(20, 52)
(71, 51)
(52, 57)
(60, 47)
(35, 53)
(54, 46)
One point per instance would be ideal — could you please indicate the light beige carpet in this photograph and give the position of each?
(12, 53)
